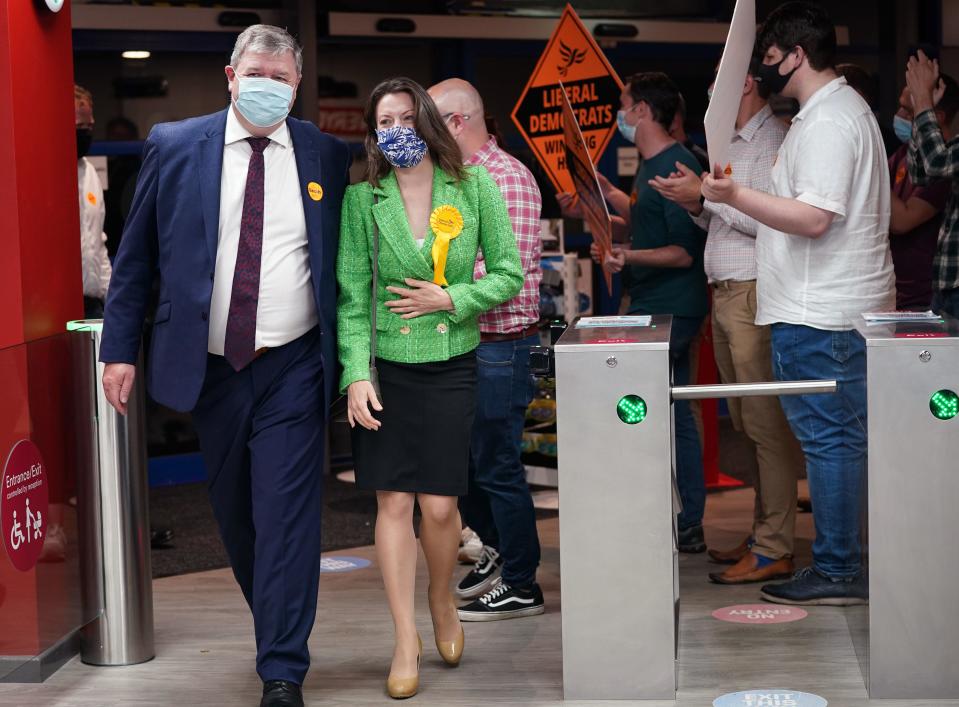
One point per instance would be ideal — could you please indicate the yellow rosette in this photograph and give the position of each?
(447, 223)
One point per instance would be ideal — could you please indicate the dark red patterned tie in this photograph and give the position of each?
(239, 347)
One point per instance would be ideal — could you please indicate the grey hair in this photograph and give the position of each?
(266, 39)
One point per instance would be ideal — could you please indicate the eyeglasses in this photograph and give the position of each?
(447, 116)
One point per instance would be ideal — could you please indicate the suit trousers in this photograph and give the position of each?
(744, 355)
(261, 431)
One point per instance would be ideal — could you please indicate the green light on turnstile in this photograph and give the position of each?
(631, 409)
(944, 404)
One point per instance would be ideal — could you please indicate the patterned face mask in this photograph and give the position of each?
(401, 145)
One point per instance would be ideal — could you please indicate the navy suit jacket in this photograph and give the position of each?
(173, 228)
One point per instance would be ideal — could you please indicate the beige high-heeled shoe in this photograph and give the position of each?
(402, 688)
(450, 651)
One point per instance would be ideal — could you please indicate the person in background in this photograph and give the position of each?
(823, 258)
(933, 156)
(678, 131)
(916, 217)
(499, 506)
(742, 347)
(663, 267)
(430, 215)
(95, 262)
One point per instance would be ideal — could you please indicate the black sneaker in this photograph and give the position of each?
(691, 540)
(504, 602)
(811, 588)
(483, 575)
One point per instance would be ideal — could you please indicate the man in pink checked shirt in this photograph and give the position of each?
(499, 506)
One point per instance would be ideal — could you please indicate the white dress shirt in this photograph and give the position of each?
(731, 241)
(286, 307)
(832, 158)
(93, 249)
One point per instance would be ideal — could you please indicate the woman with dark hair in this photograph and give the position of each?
(409, 238)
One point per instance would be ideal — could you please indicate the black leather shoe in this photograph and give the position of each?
(281, 693)
(160, 538)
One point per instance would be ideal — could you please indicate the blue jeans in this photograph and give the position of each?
(946, 302)
(832, 431)
(689, 453)
(499, 506)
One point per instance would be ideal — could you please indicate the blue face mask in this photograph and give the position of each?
(902, 128)
(264, 102)
(401, 146)
(625, 129)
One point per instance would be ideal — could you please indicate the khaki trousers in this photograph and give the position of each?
(743, 355)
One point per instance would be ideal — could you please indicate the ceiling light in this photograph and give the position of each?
(136, 55)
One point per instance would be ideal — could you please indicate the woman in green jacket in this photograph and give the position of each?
(430, 216)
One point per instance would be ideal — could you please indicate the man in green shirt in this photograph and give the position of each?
(663, 268)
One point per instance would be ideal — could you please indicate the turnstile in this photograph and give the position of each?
(620, 594)
(618, 505)
(907, 637)
(616, 534)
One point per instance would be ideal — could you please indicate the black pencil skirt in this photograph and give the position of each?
(423, 445)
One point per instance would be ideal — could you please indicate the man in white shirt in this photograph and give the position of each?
(239, 211)
(823, 259)
(742, 348)
(93, 249)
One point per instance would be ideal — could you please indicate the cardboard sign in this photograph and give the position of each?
(586, 185)
(592, 87)
(720, 120)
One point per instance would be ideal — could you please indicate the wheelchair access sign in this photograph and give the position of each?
(24, 504)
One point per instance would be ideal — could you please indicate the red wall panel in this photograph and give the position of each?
(40, 286)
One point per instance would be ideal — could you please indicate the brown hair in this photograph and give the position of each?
(444, 151)
(82, 95)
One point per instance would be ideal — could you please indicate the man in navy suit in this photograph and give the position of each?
(239, 213)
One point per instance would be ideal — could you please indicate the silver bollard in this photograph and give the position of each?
(116, 526)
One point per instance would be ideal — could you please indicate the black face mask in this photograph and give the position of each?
(84, 138)
(771, 79)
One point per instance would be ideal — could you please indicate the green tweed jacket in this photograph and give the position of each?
(438, 336)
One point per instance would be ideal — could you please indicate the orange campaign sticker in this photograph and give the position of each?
(91, 197)
(633, 196)
(315, 191)
(900, 174)
(592, 86)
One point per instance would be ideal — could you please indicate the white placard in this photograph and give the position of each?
(630, 320)
(720, 121)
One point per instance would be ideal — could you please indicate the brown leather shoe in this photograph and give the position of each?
(747, 571)
(730, 557)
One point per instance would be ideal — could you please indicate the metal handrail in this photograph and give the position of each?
(746, 390)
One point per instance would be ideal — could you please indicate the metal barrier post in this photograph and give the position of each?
(907, 637)
(119, 577)
(617, 513)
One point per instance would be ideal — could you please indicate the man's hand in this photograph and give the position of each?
(569, 204)
(117, 383)
(719, 188)
(922, 79)
(615, 261)
(360, 398)
(423, 298)
(682, 187)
